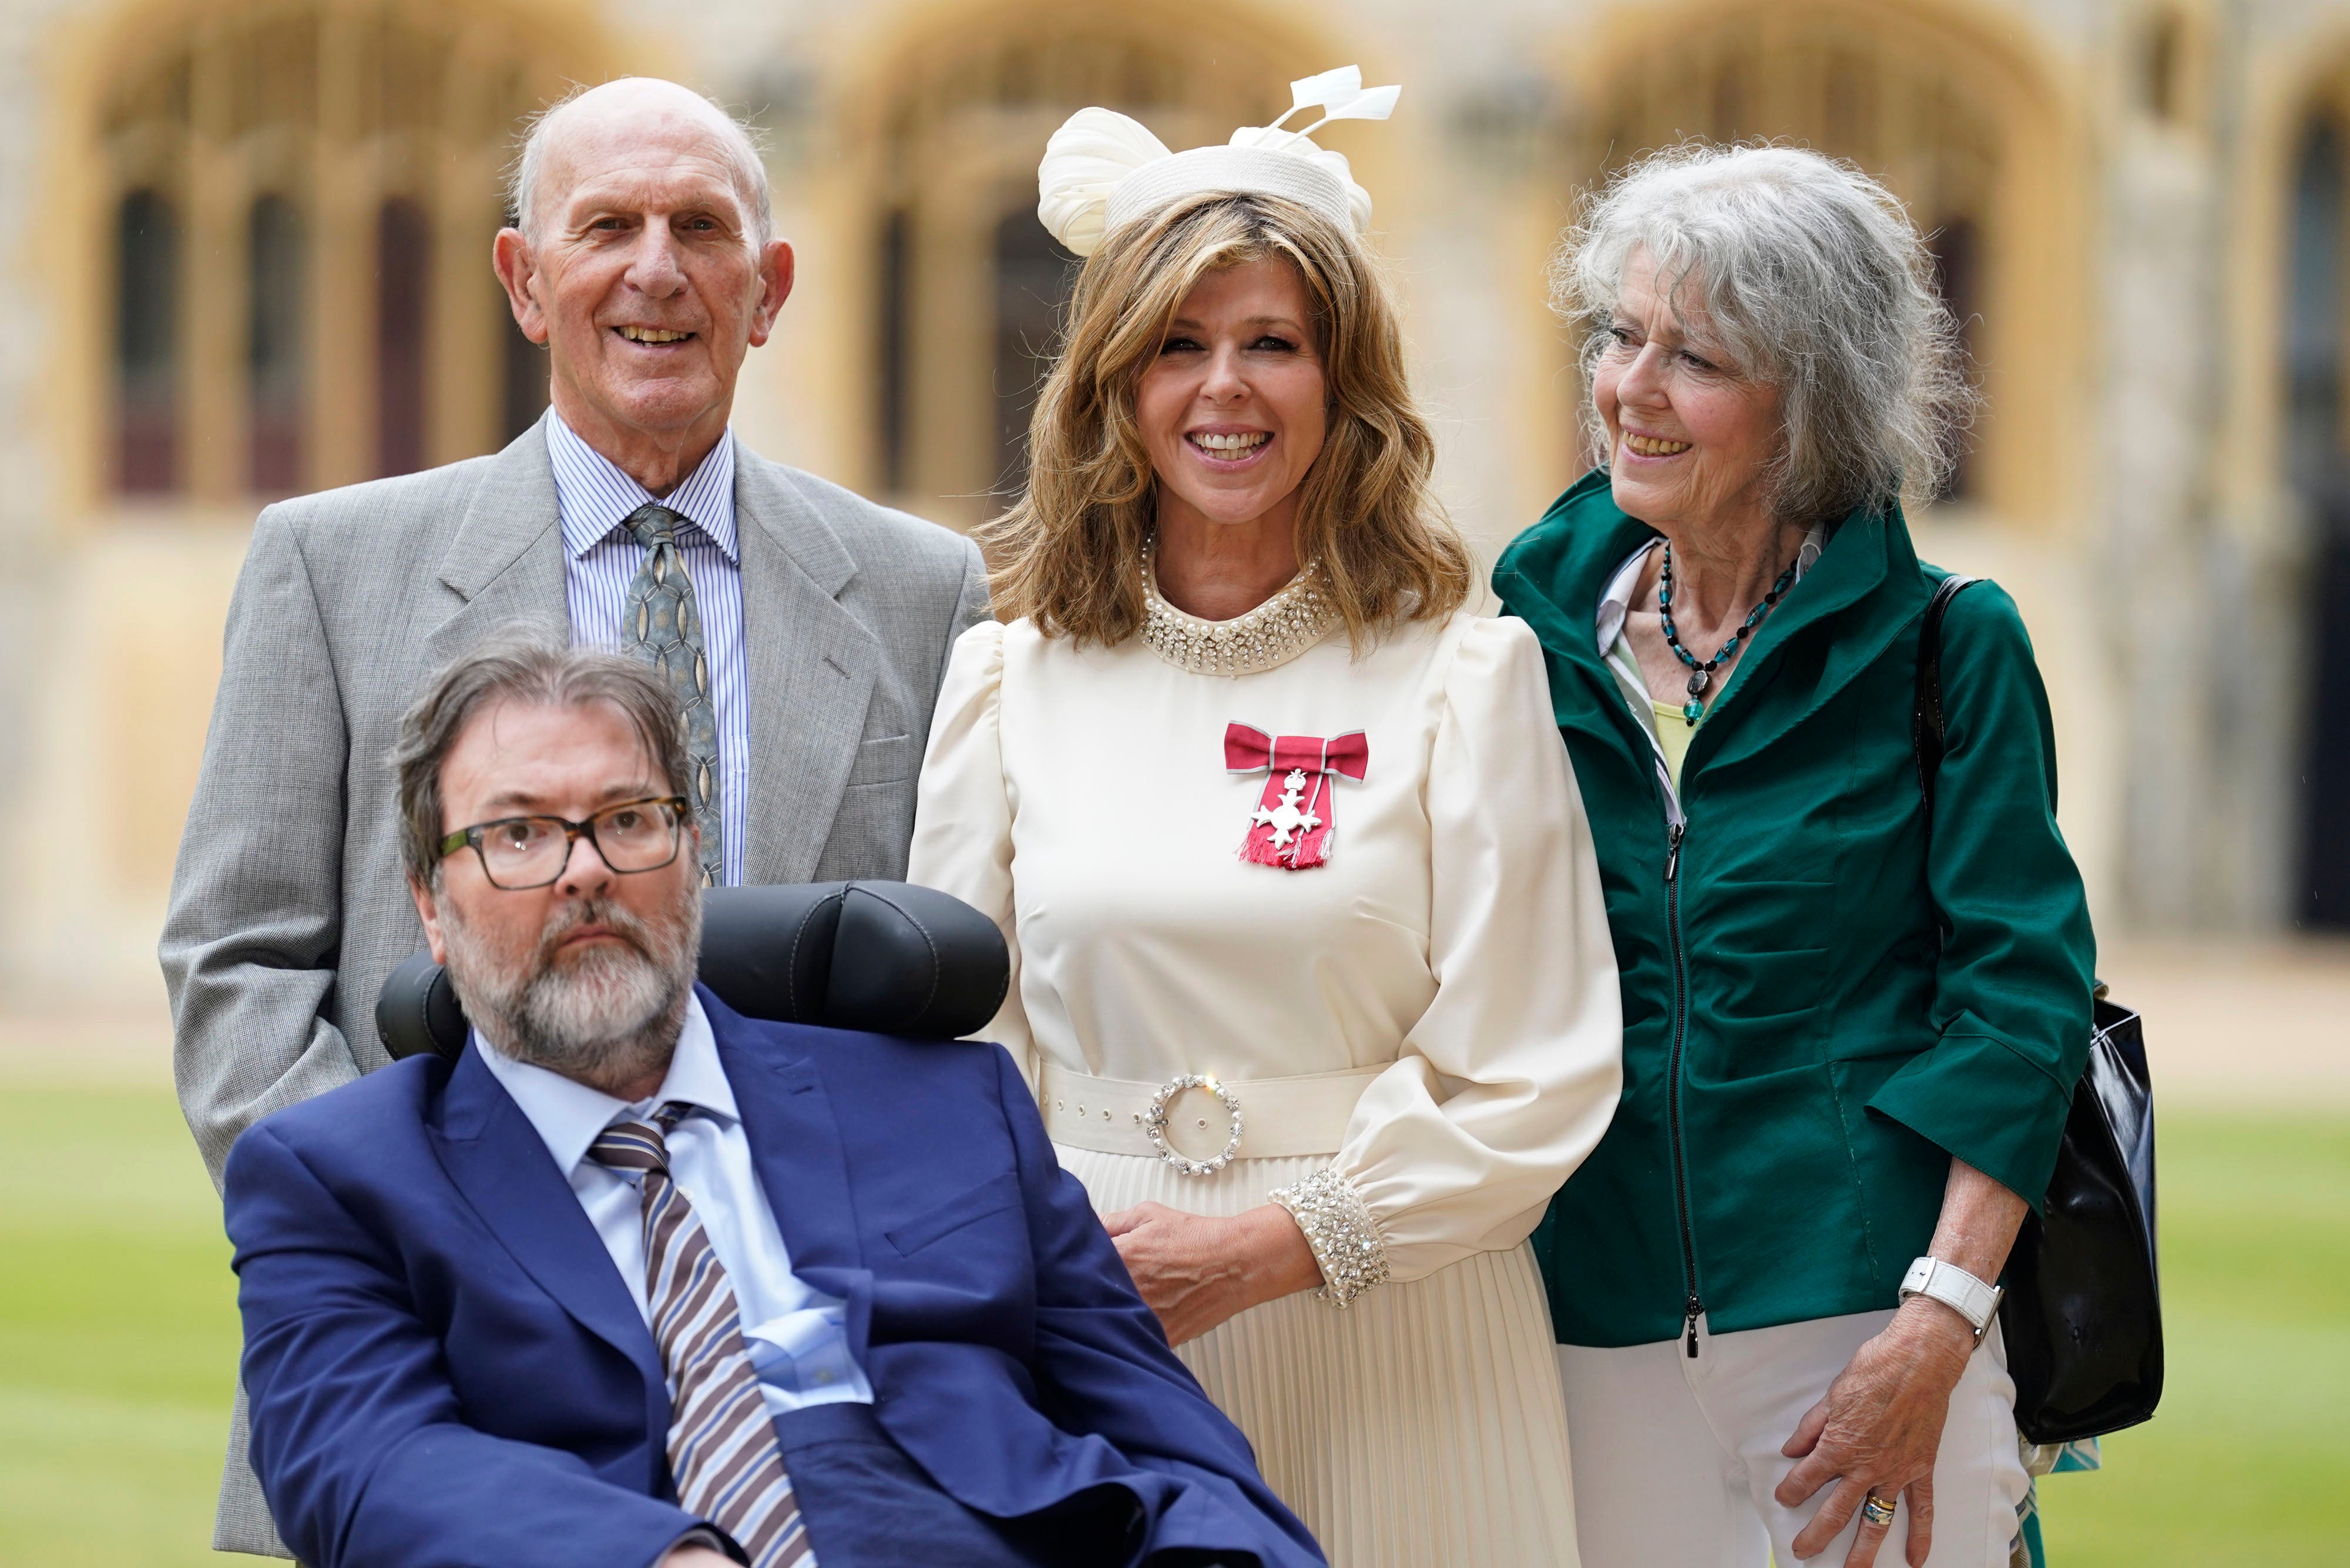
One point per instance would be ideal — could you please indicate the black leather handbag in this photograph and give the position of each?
(2082, 1314)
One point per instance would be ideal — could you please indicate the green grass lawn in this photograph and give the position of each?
(2248, 1461)
(117, 1341)
(117, 1334)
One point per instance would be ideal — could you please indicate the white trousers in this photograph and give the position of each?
(1676, 1457)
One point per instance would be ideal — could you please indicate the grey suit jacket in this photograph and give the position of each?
(289, 904)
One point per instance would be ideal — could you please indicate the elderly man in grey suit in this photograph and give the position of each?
(804, 630)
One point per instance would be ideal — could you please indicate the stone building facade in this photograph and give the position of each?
(251, 259)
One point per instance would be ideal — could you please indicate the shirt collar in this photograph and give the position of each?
(1616, 604)
(595, 495)
(569, 1115)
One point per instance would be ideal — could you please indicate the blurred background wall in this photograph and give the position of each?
(251, 259)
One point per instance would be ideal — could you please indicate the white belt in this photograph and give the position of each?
(1197, 1123)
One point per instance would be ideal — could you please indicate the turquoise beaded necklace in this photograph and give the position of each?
(1701, 675)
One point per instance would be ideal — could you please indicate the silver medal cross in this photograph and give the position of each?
(1288, 819)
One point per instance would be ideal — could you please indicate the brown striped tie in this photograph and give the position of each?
(722, 1450)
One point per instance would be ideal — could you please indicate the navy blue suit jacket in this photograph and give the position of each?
(445, 1368)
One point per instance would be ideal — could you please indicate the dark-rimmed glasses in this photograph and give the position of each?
(519, 853)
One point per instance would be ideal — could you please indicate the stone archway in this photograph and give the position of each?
(2313, 354)
(1958, 126)
(963, 290)
(295, 204)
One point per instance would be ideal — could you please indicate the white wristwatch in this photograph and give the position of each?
(1956, 1289)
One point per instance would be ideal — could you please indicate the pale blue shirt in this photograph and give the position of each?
(797, 1336)
(594, 498)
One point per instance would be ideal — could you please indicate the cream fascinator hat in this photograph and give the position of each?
(1102, 168)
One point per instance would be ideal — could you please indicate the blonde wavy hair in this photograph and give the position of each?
(1068, 555)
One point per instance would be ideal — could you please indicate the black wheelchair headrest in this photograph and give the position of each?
(885, 956)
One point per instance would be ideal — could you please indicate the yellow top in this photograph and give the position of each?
(1673, 734)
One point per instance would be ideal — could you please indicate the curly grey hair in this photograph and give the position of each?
(1812, 276)
(744, 150)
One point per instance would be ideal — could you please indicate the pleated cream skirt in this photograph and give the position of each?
(1423, 1427)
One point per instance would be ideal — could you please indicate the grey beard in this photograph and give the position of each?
(608, 1018)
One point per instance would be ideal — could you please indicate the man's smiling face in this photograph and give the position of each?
(643, 270)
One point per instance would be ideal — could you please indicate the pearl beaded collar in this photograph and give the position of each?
(1292, 620)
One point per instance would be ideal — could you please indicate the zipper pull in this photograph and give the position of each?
(1695, 1311)
(1673, 850)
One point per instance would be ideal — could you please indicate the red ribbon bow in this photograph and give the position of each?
(1295, 817)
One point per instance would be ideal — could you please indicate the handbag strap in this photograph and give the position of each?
(1928, 732)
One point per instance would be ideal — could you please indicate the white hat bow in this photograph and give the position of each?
(1103, 169)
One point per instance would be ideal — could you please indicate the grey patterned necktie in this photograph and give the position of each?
(722, 1452)
(662, 625)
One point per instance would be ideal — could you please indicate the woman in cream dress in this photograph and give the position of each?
(1311, 971)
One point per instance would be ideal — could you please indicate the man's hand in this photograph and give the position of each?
(694, 1557)
(1878, 1430)
(1196, 1271)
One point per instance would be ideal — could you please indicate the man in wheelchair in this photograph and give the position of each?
(639, 1280)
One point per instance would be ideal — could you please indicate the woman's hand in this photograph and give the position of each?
(1196, 1270)
(694, 1557)
(1881, 1424)
(1878, 1430)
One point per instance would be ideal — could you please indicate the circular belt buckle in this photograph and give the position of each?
(1154, 1123)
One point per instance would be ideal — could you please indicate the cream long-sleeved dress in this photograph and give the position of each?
(1454, 945)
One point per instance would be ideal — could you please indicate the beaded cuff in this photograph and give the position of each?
(1345, 1238)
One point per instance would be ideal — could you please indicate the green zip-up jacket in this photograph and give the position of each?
(1802, 1055)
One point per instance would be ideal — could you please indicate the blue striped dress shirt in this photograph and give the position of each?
(594, 498)
(797, 1335)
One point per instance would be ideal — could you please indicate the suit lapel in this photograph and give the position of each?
(505, 563)
(500, 1164)
(796, 1145)
(811, 667)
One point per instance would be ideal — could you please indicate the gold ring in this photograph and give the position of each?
(1877, 1511)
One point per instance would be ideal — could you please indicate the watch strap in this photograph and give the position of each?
(1956, 1289)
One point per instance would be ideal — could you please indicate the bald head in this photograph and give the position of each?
(643, 256)
(633, 109)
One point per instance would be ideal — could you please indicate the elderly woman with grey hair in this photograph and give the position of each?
(1853, 1018)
